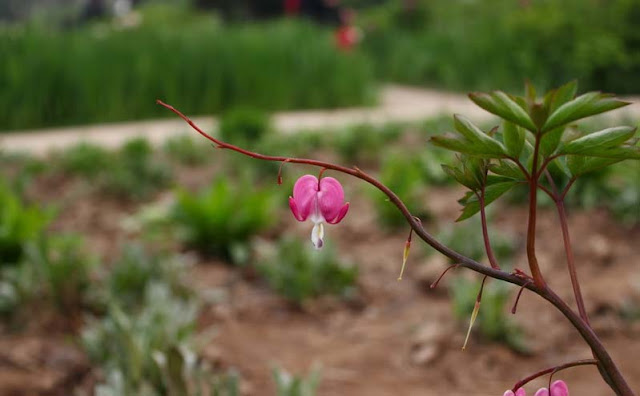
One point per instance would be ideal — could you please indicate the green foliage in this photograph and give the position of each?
(20, 223)
(403, 174)
(221, 219)
(187, 150)
(198, 64)
(136, 173)
(64, 270)
(136, 269)
(494, 321)
(534, 132)
(290, 385)
(54, 272)
(539, 40)
(615, 188)
(299, 273)
(361, 144)
(183, 375)
(466, 238)
(123, 341)
(85, 159)
(133, 172)
(244, 126)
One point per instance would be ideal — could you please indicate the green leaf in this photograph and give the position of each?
(561, 95)
(579, 165)
(550, 141)
(539, 114)
(513, 138)
(530, 92)
(502, 105)
(586, 105)
(492, 192)
(476, 135)
(559, 167)
(459, 176)
(622, 152)
(508, 169)
(599, 142)
(458, 144)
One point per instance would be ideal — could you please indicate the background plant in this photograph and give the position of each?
(54, 273)
(223, 217)
(299, 273)
(494, 322)
(186, 151)
(404, 175)
(135, 173)
(275, 66)
(293, 385)
(20, 223)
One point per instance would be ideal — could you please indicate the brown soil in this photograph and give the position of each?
(397, 338)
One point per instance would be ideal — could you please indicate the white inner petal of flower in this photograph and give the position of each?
(317, 235)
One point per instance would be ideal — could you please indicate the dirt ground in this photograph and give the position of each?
(396, 338)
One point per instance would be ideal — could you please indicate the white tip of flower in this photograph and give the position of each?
(317, 235)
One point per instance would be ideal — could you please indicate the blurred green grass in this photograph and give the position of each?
(104, 74)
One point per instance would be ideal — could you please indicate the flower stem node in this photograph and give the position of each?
(319, 201)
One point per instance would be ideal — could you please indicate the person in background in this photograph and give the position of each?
(347, 35)
(292, 7)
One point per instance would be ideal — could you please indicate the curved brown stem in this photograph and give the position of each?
(616, 380)
(552, 370)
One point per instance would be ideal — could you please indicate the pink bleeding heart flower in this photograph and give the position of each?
(320, 201)
(558, 388)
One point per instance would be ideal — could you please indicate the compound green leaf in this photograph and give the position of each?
(586, 105)
(492, 192)
(502, 105)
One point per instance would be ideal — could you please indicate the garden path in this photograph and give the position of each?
(397, 103)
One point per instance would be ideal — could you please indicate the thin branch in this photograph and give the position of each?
(515, 303)
(554, 369)
(547, 191)
(554, 188)
(522, 168)
(485, 231)
(573, 274)
(531, 228)
(544, 165)
(435, 284)
(567, 188)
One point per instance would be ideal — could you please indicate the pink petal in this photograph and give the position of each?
(341, 214)
(305, 193)
(521, 392)
(509, 393)
(542, 392)
(330, 199)
(294, 209)
(559, 388)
